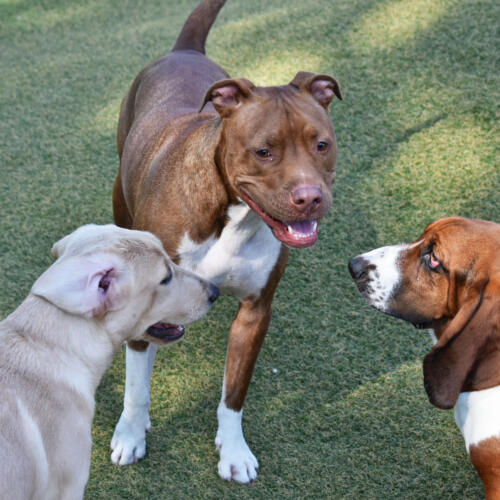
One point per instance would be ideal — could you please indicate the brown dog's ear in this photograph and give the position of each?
(227, 95)
(321, 87)
(469, 304)
(449, 363)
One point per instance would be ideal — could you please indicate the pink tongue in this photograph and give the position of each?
(304, 227)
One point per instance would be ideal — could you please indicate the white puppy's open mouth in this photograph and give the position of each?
(166, 332)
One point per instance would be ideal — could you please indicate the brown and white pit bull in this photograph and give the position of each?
(228, 175)
(449, 280)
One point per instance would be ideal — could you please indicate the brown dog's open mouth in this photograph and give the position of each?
(166, 332)
(299, 234)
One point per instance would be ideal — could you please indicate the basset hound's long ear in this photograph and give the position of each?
(465, 299)
(450, 362)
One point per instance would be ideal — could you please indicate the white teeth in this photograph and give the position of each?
(308, 235)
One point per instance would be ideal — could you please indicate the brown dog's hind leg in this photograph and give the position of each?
(245, 340)
(120, 210)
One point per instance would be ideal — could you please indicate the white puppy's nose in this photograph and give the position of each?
(213, 293)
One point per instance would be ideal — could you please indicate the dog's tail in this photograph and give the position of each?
(195, 30)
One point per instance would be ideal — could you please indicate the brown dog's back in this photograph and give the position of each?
(175, 84)
(161, 109)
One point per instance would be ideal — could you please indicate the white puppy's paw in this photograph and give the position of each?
(236, 460)
(128, 444)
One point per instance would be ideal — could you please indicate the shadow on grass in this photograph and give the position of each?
(416, 129)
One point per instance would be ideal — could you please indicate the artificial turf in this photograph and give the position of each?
(336, 408)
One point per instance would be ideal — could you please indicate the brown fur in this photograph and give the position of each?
(180, 169)
(449, 280)
(247, 335)
(486, 459)
(197, 147)
(461, 302)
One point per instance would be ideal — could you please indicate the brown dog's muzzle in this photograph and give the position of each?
(307, 200)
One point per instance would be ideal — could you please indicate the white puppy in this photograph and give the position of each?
(107, 286)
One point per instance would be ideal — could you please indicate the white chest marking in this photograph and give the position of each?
(240, 260)
(477, 415)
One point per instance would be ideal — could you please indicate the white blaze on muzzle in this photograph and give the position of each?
(382, 274)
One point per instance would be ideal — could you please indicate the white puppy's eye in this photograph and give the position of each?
(166, 280)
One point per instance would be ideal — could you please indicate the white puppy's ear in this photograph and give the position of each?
(57, 248)
(78, 235)
(81, 285)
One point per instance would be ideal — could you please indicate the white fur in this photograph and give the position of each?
(129, 439)
(477, 415)
(79, 377)
(55, 342)
(239, 262)
(236, 459)
(37, 449)
(386, 276)
(73, 282)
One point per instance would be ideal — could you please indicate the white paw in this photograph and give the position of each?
(236, 460)
(128, 444)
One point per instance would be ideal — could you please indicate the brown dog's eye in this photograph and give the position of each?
(322, 146)
(264, 153)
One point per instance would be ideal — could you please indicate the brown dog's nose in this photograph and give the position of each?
(306, 198)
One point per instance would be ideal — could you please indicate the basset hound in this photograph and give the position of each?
(448, 280)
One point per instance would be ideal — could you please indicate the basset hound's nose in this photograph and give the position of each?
(358, 267)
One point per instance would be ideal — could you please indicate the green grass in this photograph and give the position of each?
(346, 415)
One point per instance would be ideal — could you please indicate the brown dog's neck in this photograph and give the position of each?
(196, 191)
(220, 162)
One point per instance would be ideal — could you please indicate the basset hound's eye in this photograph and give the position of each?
(433, 263)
